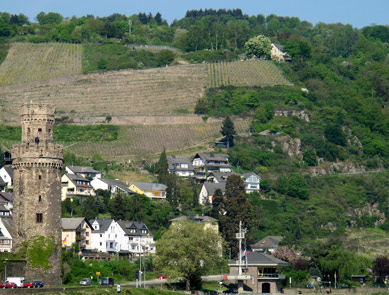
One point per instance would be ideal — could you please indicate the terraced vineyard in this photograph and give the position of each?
(245, 73)
(29, 62)
(140, 140)
(160, 91)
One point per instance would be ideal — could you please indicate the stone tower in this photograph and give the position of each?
(37, 164)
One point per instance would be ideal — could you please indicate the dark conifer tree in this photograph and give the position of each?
(228, 131)
(237, 208)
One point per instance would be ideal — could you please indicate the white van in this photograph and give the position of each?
(17, 280)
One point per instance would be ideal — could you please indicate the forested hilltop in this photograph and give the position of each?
(314, 127)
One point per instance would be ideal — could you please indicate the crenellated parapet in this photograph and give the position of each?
(51, 151)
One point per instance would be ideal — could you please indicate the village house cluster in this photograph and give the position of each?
(126, 238)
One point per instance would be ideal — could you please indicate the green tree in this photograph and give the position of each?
(49, 18)
(117, 207)
(264, 113)
(381, 267)
(237, 208)
(259, 46)
(186, 249)
(165, 57)
(294, 186)
(162, 168)
(89, 208)
(228, 131)
(309, 157)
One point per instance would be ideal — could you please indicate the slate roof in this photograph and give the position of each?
(247, 175)
(145, 186)
(212, 187)
(2, 183)
(74, 178)
(137, 225)
(174, 161)
(8, 223)
(103, 223)
(117, 183)
(9, 197)
(72, 223)
(221, 176)
(259, 258)
(194, 218)
(268, 242)
(212, 157)
(82, 169)
(279, 46)
(9, 170)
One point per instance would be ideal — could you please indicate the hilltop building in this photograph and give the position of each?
(37, 164)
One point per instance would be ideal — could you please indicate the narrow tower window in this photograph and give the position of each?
(39, 129)
(40, 177)
(40, 198)
(39, 218)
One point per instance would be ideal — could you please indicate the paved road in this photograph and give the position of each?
(158, 282)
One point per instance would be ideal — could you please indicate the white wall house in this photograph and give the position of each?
(84, 171)
(6, 225)
(112, 185)
(252, 182)
(107, 236)
(140, 241)
(208, 190)
(181, 166)
(6, 173)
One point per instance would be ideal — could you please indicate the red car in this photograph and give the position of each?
(8, 285)
(28, 284)
(162, 276)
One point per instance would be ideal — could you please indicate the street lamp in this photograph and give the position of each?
(5, 269)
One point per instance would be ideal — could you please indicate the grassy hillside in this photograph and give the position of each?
(143, 140)
(161, 91)
(29, 62)
(245, 73)
(121, 142)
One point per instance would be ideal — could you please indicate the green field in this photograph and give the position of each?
(27, 62)
(245, 73)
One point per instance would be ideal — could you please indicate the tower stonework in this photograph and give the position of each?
(37, 164)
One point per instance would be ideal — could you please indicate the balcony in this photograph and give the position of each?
(266, 276)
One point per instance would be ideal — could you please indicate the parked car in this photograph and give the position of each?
(3, 285)
(162, 276)
(28, 284)
(38, 284)
(11, 285)
(85, 282)
(107, 282)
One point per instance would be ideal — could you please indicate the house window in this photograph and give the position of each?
(87, 234)
(87, 242)
(39, 129)
(101, 244)
(40, 199)
(101, 235)
(39, 218)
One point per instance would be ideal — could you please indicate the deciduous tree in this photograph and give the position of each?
(186, 249)
(259, 46)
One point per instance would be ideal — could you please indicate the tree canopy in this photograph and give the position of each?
(259, 46)
(185, 249)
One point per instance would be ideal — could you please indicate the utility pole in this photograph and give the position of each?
(129, 25)
(240, 236)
